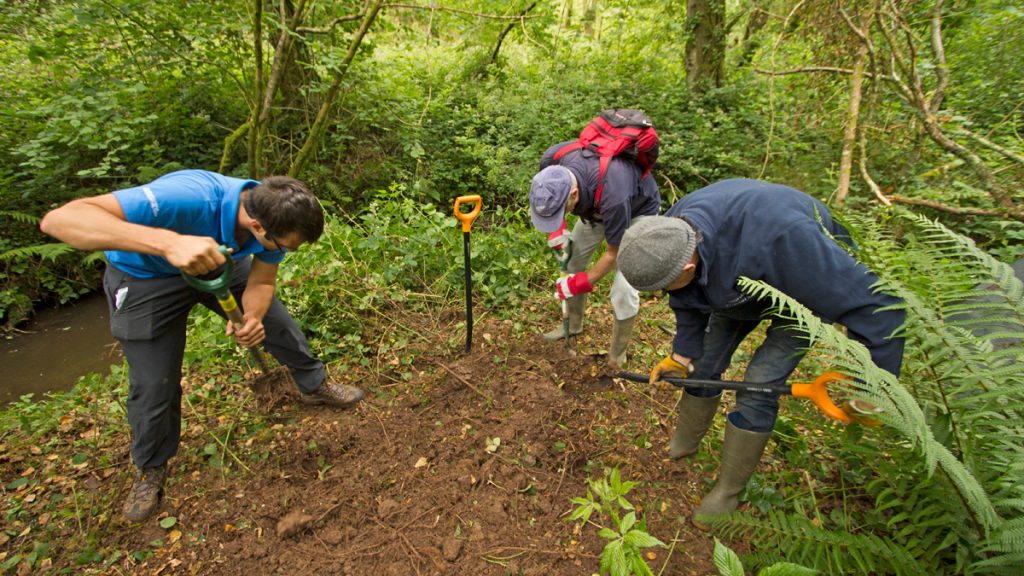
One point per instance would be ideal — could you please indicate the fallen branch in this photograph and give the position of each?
(461, 379)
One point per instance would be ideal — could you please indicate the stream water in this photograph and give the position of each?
(57, 347)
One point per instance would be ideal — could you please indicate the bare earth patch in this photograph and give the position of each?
(468, 468)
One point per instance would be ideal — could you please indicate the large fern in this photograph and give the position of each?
(50, 251)
(949, 463)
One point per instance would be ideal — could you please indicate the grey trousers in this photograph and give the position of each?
(148, 317)
(586, 237)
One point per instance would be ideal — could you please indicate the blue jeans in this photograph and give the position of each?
(773, 362)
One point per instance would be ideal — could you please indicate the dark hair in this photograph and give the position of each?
(284, 205)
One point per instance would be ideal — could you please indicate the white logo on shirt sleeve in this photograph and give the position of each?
(152, 201)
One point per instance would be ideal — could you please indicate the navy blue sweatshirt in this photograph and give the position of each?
(780, 236)
(624, 196)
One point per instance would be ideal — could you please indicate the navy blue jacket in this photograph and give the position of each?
(778, 235)
(624, 195)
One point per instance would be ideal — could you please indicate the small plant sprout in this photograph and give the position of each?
(627, 536)
(492, 445)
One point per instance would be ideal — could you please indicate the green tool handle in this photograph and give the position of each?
(220, 287)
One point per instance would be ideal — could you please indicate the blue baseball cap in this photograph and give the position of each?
(548, 192)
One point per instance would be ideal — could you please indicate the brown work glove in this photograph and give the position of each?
(670, 367)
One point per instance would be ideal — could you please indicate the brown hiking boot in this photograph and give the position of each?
(333, 394)
(145, 494)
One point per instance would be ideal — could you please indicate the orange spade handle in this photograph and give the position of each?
(817, 392)
(468, 217)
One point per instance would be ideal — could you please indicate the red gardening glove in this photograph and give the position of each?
(556, 239)
(572, 285)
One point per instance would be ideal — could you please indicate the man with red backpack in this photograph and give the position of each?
(604, 178)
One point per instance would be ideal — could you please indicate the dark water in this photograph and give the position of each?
(57, 347)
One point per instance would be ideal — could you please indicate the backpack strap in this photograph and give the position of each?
(565, 150)
(605, 161)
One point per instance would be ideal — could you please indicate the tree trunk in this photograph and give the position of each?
(254, 135)
(319, 125)
(705, 47)
(852, 117)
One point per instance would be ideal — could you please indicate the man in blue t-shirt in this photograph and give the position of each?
(177, 224)
(570, 184)
(697, 252)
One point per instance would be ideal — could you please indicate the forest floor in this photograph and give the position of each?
(469, 467)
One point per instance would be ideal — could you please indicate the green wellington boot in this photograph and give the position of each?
(622, 330)
(692, 423)
(576, 304)
(741, 452)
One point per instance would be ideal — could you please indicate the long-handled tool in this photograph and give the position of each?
(220, 287)
(816, 391)
(467, 220)
(563, 265)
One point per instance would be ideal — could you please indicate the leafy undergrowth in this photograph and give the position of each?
(455, 464)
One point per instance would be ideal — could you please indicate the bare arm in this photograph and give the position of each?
(259, 292)
(604, 265)
(98, 223)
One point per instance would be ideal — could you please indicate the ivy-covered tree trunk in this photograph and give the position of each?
(705, 46)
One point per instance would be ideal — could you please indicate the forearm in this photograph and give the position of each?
(89, 224)
(604, 265)
(259, 290)
(256, 300)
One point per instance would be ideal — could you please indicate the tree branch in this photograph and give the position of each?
(317, 129)
(807, 69)
(946, 207)
(991, 145)
(941, 68)
(330, 27)
(456, 11)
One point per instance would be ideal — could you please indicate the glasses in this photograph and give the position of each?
(271, 237)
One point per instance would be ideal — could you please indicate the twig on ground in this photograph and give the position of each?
(461, 379)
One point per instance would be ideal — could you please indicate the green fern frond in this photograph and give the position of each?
(900, 409)
(795, 539)
(20, 217)
(50, 251)
(1000, 565)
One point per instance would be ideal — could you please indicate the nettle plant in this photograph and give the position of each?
(942, 488)
(627, 536)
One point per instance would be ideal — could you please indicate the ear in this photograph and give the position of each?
(255, 226)
(690, 267)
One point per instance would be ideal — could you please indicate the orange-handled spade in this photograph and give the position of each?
(816, 391)
(467, 220)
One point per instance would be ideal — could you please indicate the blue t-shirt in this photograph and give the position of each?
(190, 202)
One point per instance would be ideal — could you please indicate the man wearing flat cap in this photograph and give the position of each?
(697, 252)
(570, 185)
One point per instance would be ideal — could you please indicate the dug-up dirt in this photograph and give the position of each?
(468, 468)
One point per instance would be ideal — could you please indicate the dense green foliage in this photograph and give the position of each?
(100, 94)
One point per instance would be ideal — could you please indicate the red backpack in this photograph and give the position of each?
(618, 132)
